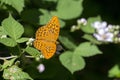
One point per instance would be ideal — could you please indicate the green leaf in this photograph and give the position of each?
(33, 52)
(114, 72)
(2, 31)
(72, 61)
(87, 49)
(45, 17)
(21, 40)
(39, 17)
(62, 23)
(68, 9)
(91, 39)
(15, 73)
(8, 42)
(17, 4)
(0, 67)
(51, 0)
(88, 28)
(12, 27)
(67, 43)
(8, 63)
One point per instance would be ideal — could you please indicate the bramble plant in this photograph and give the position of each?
(19, 60)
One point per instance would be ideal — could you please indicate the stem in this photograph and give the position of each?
(19, 53)
(4, 58)
(29, 56)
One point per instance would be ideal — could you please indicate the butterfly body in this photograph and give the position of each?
(46, 37)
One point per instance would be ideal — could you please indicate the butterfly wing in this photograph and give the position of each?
(53, 28)
(46, 37)
(50, 31)
(38, 44)
(41, 33)
(48, 49)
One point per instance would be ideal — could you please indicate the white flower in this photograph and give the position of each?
(41, 56)
(29, 42)
(41, 68)
(107, 37)
(82, 21)
(110, 26)
(101, 31)
(104, 24)
(73, 27)
(31, 39)
(99, 25)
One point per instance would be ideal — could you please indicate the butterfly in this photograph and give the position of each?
(46, 37)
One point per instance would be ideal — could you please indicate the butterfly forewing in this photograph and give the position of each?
(41, 33)
(38, 44)
(53, 28)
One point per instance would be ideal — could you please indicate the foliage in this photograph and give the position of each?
(114, 72)
(21, 19)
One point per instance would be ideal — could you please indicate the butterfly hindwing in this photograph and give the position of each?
(48, 50)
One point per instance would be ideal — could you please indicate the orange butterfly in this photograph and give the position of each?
(46, 37)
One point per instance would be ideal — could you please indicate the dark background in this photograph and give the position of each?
(97, 67)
